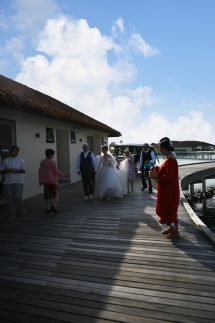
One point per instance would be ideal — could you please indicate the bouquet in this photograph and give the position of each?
(154, 173)
(109, 162)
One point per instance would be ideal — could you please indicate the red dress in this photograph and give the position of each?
(168, 190)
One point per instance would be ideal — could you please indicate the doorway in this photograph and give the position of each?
(63, 153)
(90, 143)
(7, 137)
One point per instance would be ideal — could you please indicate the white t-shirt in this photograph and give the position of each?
(16, 163)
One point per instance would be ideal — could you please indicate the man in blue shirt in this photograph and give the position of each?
(147, 159)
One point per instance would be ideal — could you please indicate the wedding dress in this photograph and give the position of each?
(110, 181)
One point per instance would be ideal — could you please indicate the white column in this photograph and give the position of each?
(203, 184)
(191, 190)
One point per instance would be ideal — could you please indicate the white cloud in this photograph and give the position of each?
(207, 105)
(31, 16)
(14, 48)
(156, 126)
(118, 25)
(28, 21)
(3, 65)
(3, 20)
(132, 42)
(140, 45)
(73, 67)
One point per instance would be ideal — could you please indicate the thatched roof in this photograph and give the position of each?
(14, 95)
(191, 143)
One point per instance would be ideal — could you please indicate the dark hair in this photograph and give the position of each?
(14, 147)
(167, 139)
(106, 147)
(166, 144)
(49, 152)
(164, 138)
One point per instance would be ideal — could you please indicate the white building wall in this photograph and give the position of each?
(32, 149)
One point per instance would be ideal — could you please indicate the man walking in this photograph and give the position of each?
(147, 158)
(12, 168)
(86, 164)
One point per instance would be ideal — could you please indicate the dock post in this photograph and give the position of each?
(203, 184)
(191, 189)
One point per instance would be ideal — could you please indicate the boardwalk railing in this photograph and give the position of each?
(191, 179)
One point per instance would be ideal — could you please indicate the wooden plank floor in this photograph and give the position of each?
(103, 261)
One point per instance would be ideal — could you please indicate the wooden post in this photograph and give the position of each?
(203, 184)
(191, 190)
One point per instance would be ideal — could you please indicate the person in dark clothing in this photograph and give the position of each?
(147, 159)
(85, 164)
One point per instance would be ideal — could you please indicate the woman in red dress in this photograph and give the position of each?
(168, 192)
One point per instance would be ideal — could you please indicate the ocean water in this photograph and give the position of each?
(205, 210)
(184, 161)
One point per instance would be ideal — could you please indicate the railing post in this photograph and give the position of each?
(203, 184)
(191, 190)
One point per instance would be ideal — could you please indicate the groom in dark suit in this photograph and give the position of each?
(86, 165)
(147, 159)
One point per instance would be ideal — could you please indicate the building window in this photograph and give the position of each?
(72, 137)
(102, 140)
(7, 137)
(49, 135)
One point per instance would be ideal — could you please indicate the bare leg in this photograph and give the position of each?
(132, 185)
(56, 198)
(175, 232)
(47, 205)
(169, 230)
(163, 225)
(128, 185)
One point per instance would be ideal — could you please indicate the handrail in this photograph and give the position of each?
(193, 177)
(186, 180)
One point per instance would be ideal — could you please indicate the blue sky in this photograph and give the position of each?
(146, 68)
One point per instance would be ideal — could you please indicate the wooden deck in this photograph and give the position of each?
(103, 261)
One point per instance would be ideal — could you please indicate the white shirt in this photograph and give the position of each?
(173, 152)
(152, 157)
(16, 163)
(85, 156)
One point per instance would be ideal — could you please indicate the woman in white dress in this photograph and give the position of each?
(110, 181)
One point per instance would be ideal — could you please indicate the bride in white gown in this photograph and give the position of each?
(110, 181)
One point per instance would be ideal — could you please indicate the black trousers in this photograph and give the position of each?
(144, 177)
(86, 176)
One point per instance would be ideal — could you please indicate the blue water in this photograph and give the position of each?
(183, 161)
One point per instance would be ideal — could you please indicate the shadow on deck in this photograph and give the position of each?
(102, 261)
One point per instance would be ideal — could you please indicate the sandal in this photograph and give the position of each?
(166, 231)
(173, 234)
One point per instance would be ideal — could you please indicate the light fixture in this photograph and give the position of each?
(80, 139)
(38, 135)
